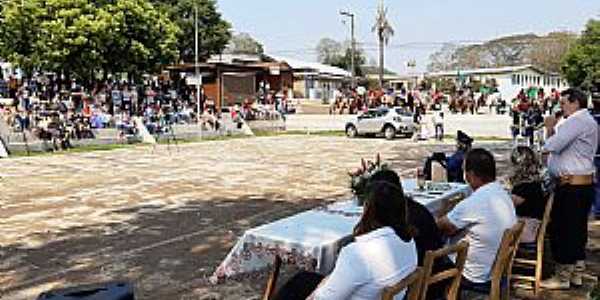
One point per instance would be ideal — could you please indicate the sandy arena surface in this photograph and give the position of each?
(163, 218)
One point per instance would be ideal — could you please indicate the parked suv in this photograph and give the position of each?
(387, 121)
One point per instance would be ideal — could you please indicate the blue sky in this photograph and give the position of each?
(293, 28)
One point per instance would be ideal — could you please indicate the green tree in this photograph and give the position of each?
(19, 29)
(581, 65)
(79, 38)
(213, 31)
(67, 43)
(328, 51)
(138, 37)
(331, 52)
(243, 43)
(345, 61)
(384, 31)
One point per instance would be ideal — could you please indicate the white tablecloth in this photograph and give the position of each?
(312, 239)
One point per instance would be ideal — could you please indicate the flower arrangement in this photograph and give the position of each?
(360, 177)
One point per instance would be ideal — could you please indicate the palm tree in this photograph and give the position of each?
(384, 31)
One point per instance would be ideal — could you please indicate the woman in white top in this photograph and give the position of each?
(382, 254)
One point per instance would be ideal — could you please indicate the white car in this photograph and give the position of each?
(387, 121)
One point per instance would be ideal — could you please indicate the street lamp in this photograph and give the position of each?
(352, 42)
(197, 73)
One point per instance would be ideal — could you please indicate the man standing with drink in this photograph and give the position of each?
(571, 146)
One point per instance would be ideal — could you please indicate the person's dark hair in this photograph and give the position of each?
(385, 205)
(576, 95)
(481, 162)
(388, 176)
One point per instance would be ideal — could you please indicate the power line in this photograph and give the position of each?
(372, 46)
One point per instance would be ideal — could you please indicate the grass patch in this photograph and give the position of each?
(109, 147)
(319, 133)
(23, 153)
(483, 138)
(203, 139)
(78, 149)
(267, 133)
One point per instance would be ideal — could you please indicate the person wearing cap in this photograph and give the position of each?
(455, 162)
(571, 146)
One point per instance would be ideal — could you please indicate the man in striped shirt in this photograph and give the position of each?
(572, 146)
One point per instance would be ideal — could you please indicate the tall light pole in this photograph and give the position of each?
(352, 46)
(197, 79)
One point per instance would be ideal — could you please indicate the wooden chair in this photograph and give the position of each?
(524, 254)
(272, 282)
(449, 204)
(412, 283)
(502, 267)
(460, 249)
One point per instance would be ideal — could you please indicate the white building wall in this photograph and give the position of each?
(505, 87)
(510, 84)
(529, 78)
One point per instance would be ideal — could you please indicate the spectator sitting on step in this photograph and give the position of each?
(209, 118)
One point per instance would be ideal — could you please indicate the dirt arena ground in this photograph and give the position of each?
(163, 218)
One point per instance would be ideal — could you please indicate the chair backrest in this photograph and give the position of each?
(412, 282)
(272, 282)
(460, 249)
(504, 257)
(545, 220)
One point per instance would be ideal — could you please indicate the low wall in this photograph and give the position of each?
(267, 125)
(111, 136)
(482, 125)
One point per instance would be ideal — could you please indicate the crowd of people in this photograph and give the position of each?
(463, 100)
(353, 101)
(47, 108)
(528, 110)
(395, 232)
(53, 109)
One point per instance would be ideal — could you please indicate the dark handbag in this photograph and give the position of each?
(101, 291)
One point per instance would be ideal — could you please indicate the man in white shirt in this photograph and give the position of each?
(572, 145)
(438, 124)
(483, 216)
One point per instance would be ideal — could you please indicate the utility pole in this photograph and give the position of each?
(197, 79)
(352, 46)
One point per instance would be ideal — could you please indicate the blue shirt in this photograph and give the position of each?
(455, 162)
